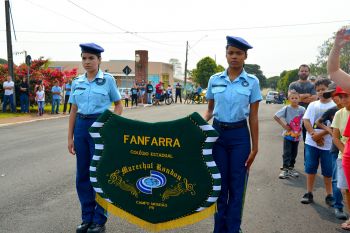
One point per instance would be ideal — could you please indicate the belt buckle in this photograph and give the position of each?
(224, 126)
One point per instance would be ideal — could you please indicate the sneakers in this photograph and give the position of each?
(284, 174)
(330, 200)
(288, 172)
(339, 214)
(292, 172)
(307, 198)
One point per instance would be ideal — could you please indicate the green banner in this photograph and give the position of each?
(156, 175)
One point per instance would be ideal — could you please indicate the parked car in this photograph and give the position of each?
(271, 96)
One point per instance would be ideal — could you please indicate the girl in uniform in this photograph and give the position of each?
(91, 94)
(233, 96)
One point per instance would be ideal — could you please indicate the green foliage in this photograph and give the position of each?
(206, 67)
(320, 67)
(220, 68)
(38, 71)
(272, 82)
(255, 69)
(3, 61)
(287, 77)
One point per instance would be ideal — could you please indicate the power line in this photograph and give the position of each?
(174, 42)
(179, 31)
(58, 13)
(96, 16)
(247, 28)
(67, 32)
(114, 25)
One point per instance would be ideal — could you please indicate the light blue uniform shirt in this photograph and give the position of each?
(67, 86)
(56, 89)
(96, 96)
(232, 98)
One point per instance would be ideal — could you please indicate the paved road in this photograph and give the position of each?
(37, 190)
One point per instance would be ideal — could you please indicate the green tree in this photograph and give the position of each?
(320, 67)
(272, 82)
(255, 69)
(38, 70)
(220, 68)
(205, 68)
(287, 77)
(3, 61)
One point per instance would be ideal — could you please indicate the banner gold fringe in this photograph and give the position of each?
(188, 220)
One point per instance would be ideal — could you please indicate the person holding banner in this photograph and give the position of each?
(233, 96)
(91, 94)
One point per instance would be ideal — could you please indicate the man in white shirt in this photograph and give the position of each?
(9, 87)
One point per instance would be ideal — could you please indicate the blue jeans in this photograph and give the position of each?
(149, 98)
(8, 98)
(24, 102)
(336, 191)
(55, 105)
(41, 107)
(315, 156)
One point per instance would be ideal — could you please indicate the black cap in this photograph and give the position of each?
(330, 89)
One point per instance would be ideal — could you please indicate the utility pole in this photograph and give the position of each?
(186, 67)
(9, 45)
(28, 63)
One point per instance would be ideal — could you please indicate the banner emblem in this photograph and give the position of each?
(155, 180)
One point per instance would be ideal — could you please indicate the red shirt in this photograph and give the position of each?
(346, 132)
(159, 88)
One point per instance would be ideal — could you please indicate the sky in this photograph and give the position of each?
(284, 34)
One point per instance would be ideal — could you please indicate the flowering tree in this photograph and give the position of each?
(38, 71)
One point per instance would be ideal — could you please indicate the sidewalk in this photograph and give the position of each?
(47, 116)
(28, 118)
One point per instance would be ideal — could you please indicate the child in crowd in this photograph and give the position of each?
(134, 90)
(169, 91)
(339, 123)
(56, 98)
(322, 123)
(292, 114)
(318, 142)
(40, 98)
(126, 98)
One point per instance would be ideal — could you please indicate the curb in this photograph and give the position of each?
(56, 117)
(28, 121)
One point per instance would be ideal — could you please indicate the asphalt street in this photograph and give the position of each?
(37, 181)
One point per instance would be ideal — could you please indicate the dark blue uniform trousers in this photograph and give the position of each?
(84, 148)
(230, 152)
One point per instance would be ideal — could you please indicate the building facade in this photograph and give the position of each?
(155, 72)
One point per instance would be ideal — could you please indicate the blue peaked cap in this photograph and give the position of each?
(91, 48)
(238, 42)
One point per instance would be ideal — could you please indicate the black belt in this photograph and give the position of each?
(88, 116)
(230, 125)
